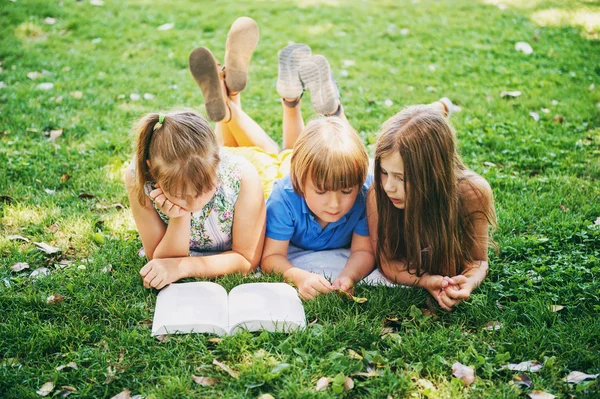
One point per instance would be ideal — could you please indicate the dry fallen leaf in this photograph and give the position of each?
(54, 134)
(556, 308)
(370, 373)
(17, 267)
(107, 269)
(215, 340)
(558, 119)
(46, 248)
(344, 294)
(465, 373)
(166, 26)
(86, 196)
(522, 379)
(17, 237)
(523, 47)
(45, 86)
(531, 366)
(66, 390)
(71, 365)
(55, 299)
(49, 21)
(39, 272)
(535, 116)
(46, 389)
(204, 381)
(564, 208)
(359, 299)
(322, 383)
(162, 338)
(493, 326)
(226, 368)
(65, 177)
(386, 330)
(77, 94)
(125, 394)
(577, 376)
(540, 395)
(266, 396)
(513, 94)
(34, 75)
(352, 354)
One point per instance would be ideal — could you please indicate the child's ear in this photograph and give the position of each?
(148, 163)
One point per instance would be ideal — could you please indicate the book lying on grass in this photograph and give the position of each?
(205, 307)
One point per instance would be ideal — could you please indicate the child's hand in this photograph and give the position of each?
(311, 285)
(167, 207)
(344, 283)
(458, 289)
(161, 272)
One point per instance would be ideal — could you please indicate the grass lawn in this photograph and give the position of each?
(110, 63)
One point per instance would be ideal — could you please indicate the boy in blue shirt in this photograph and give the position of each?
(321, 205)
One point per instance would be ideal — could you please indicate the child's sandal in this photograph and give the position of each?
(206, 74)
(241, 42)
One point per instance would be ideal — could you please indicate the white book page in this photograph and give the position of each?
(199, 307)
(265, 306)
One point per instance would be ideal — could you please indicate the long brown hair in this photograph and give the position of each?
(434, 233)
(183, 151)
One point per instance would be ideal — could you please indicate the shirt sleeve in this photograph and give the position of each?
(362, 227)
(280, 216)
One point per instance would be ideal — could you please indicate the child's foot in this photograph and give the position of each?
(289, 85)
(448, 107)
(241, 42)
(205, 71)
(316, 75)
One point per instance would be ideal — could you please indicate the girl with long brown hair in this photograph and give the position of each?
(429, 215)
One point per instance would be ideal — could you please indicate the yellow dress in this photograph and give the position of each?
(270, 166)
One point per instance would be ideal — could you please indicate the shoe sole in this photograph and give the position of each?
(291, 57)
(206, 74)
(241, 42)
(316, 76)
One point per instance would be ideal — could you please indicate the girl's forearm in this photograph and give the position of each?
(277, 263)
(215, 265)
(397, 272)
(176, 241)
(476, 272)
(359, 265)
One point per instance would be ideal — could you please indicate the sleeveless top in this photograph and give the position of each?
(211, 227)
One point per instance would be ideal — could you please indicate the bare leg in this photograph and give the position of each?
(293, 124)
(247, 132)
(222, 129)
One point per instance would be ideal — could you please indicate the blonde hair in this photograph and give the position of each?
(331, 153)
(434, 233)
(183, 152)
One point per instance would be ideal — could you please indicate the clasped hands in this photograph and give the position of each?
(448, 291)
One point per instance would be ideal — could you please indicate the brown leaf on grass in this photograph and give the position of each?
(117, 206)
(348, 384)
(556, 308)
(368, 374)
(522, 379)
(54, 134)
(125, 394)
(564, 208)
(46, 389)
(54, 227)
(66, 390)
(55, 299)
(465, 373)
(577, 376)
(205, 381)
(46, 248)
(39, 272)
(322, 383)
(558, 119)
(226, 368)
(493, 326)
(359, 299)
(266, 396)
(107, 269)
(17, 237)
(65, 177)
(77, 94)
(344, 294)
(386, 330)
(532, 366)
(510, 94)
(17, 267)
(63, 263)
(86, 196)
(34, 75)
(215, 340)
(352, 354)
(71, 365)
(540, 395)
(312, 323)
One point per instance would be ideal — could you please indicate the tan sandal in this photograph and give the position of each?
(241, 42)
(205, 71)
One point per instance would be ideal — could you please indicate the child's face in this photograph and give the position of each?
(329, 206)
(392, 179)
(190, 201)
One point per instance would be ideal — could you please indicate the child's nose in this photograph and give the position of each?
(334, 199)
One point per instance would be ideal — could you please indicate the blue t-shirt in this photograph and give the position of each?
(289, 218)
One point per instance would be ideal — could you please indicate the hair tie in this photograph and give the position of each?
(158, 125)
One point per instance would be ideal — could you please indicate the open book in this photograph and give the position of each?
(205, 307)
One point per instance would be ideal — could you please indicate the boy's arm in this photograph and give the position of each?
(360, 263)
(275, 260)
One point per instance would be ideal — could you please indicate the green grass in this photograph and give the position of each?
(545, 177)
